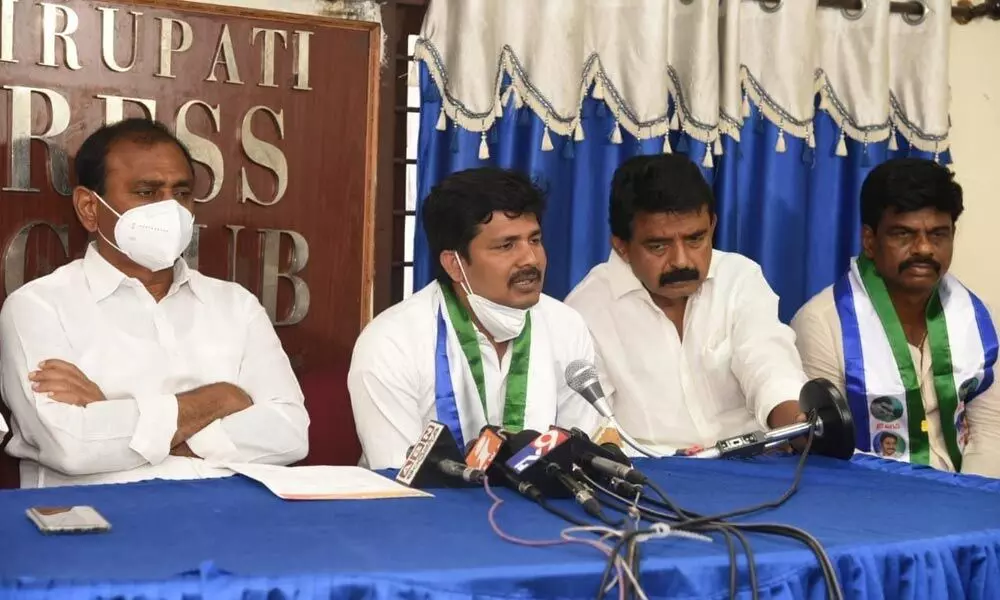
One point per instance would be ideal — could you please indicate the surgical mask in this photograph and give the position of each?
(153, 235)
(502, 322)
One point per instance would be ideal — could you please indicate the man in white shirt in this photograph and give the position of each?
(127, 365)
(690, 346)
(482, 344)
(910, 347)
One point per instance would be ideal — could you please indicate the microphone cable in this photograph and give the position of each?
(682, 519)
(727, 531)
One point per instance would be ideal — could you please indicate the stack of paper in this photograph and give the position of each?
(325, 483)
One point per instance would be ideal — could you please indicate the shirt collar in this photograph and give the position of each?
(623, 281)
(104, 279)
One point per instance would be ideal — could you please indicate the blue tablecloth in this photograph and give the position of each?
(907, 534)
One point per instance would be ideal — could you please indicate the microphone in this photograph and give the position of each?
(489, 453)
(532, 453)
(435, 461)
(606, 461)
(833, 430)
(547, 461)
(582, 378)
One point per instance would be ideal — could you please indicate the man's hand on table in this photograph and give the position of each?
(788, 413)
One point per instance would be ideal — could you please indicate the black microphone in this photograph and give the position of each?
(833, 429)
(606, 461)
(435, 461)
(489, 453)
(547, 461)
(529, 457)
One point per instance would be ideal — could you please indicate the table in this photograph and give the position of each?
(893, 531)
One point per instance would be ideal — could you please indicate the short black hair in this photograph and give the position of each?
(908, 185)
(91, 160)
(660, 183)
(463, 201)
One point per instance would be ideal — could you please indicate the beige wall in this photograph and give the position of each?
(975, 147)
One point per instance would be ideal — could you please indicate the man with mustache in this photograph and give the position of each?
(482, 344)
(897, 325)
(688, 337)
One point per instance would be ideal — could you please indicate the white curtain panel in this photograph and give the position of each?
(875, 72)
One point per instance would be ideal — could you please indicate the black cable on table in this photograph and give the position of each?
(685, 519)
(562, 514)
(621, 504)
(833, 588)
(689, 520)
(799, 469)
(751, 563)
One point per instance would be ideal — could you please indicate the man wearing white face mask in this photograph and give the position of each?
(482, 344)
(127, 365)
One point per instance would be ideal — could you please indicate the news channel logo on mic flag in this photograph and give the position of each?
(418, 453)
(538, 448)
(485, 450)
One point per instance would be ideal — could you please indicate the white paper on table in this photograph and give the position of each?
(325, 482)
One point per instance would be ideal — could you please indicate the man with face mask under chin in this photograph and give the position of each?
(688, 337)
(482, 344)
(127, 365)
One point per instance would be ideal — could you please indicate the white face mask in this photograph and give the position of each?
(153, 235)
(502, 322)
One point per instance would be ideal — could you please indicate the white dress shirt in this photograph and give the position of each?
(141, 354)
(735, 364)
(392, 376)
(821, 343)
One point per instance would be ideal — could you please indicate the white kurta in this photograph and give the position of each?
(141, 354)
(392, 376)
(736, 361)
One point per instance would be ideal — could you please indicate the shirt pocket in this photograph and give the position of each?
(720, 388)
(217, 361)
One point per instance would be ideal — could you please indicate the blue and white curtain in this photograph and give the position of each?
(785, 105)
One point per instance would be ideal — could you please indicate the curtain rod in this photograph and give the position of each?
(965, 12)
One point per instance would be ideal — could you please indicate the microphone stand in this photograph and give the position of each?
(758, 442)
(632, 442)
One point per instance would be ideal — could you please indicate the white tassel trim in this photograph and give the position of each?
(442, 124)
(893, 143)
(484, 148)
(707, 162)
(811, 138)
(675, 122)
(842, 144)
(717, 146)
(598, 89)
(578, 132)
(616, 134)
(666, 144)
(781, 146)
(546, 140)
(498, 108)
(746, 106)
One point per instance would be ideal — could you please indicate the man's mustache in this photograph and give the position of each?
(525, 274)
(679, 276)
(920, 260)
